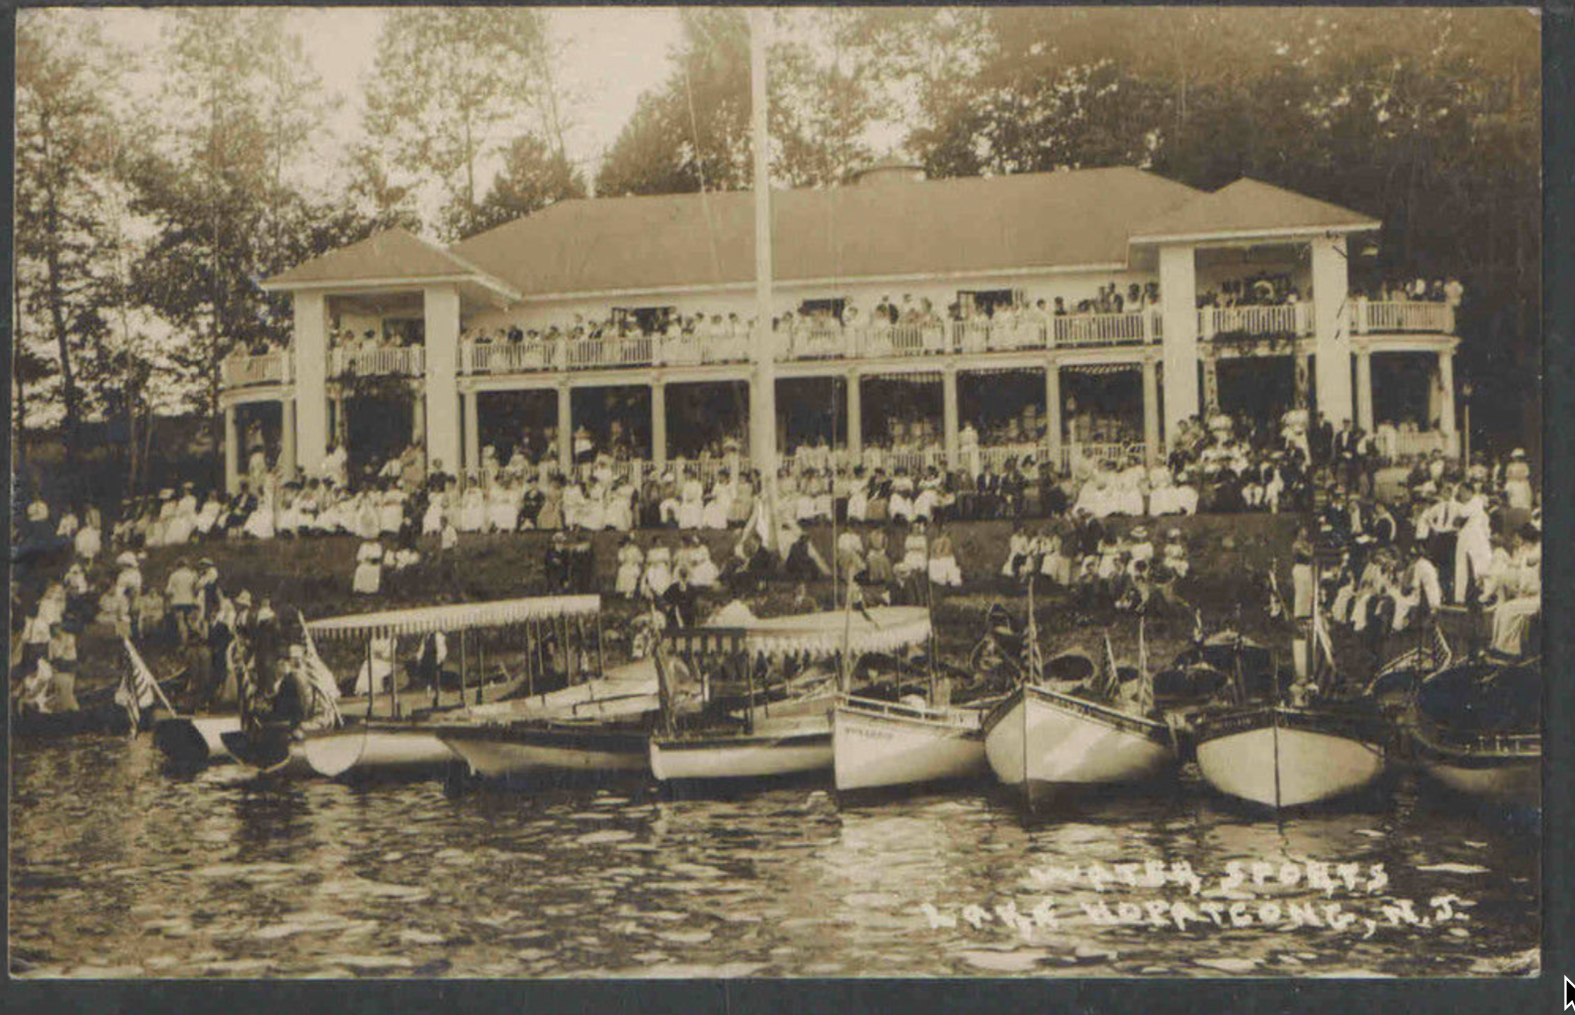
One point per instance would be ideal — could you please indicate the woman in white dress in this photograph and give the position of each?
(368, 520)
(593, 513)
(630, 562)
(822, 508)
(432, 517)
(901, 506)
(390, 511)
(260, 523)
(720, 504)
(658, 571)
(702, 569)
(208, 516)
(620, 506)
(915, 555)
(472, 506)
(368, 578)
(943, 561)
(503, 505)
(1128, 499)
(573, 505)
(691, 501)
(377, 668)
(859, 496)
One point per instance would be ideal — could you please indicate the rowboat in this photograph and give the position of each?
(1281, 756)
(785, 738)
(881, 743)
(1038, 738)
(1475, 728)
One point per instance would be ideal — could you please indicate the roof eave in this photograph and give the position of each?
(489, 282)
(1228, 235)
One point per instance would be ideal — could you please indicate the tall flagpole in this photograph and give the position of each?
(763, 387)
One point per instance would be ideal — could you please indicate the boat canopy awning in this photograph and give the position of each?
(456, 617)
(886, 629)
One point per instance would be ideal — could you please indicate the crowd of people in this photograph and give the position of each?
(1467, 538)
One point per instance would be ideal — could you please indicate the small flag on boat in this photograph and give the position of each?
(1109, 679)
(320, 677)
(1197, 626)
(1276, 603)
(1145, 699)
(138, 689)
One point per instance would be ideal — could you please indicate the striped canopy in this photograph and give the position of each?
(894, 627)
(456, 617)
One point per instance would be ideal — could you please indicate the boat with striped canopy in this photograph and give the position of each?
(760, 728)
(402, 741)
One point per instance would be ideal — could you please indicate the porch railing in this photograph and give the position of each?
(1380, 316)
(406, 361)
(242, 370)
(1282, 319)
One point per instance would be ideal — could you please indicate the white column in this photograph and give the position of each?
(1150, 411)
(232, 475)
(472, 440)
(287, 452)
(1446, 400)
(565, 431)
(1364, 390)
(1178, 299)
(1054, 428)
(1331, 328)
(309, 353)
(659, 423)
(441, 309)
(949, 415)
(855, 416)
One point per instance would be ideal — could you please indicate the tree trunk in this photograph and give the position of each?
(52, 282)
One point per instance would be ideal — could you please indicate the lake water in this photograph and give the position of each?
(120, 868)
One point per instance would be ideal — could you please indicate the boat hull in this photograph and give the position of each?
(766, 753)
(1039, 738)
(1281, 757)
(273, 751)
(195, 739)
(876, 745)
(1504, 770)
(377, 751)
(519, 751)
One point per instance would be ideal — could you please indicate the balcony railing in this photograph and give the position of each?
(244, 371)
(1371, 316)
(397, 361)
(815, 343)
(1283, 319)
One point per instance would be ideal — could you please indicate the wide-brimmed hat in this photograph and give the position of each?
(1518, 453)
(243, 598)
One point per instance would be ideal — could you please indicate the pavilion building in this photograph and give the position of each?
(455, 349)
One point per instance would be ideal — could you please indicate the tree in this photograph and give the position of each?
(693, 133)
(61, 130)
(532, 178)
(448, 86)
(218, 189)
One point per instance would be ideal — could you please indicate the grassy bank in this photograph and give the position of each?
(1230, 555)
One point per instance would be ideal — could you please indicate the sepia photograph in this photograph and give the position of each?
(777, 492)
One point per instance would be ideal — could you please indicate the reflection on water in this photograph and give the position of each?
(121, 869)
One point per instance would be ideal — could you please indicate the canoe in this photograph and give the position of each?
(880, 743)
(1039, 738)
(195, 740)
(792, 745)
(524, 749)
(1280, 756)
(1476, 728)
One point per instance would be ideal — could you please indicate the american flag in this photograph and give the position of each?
(319, 676)
(1145, 701)
(1033, 656)
(138, 689)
